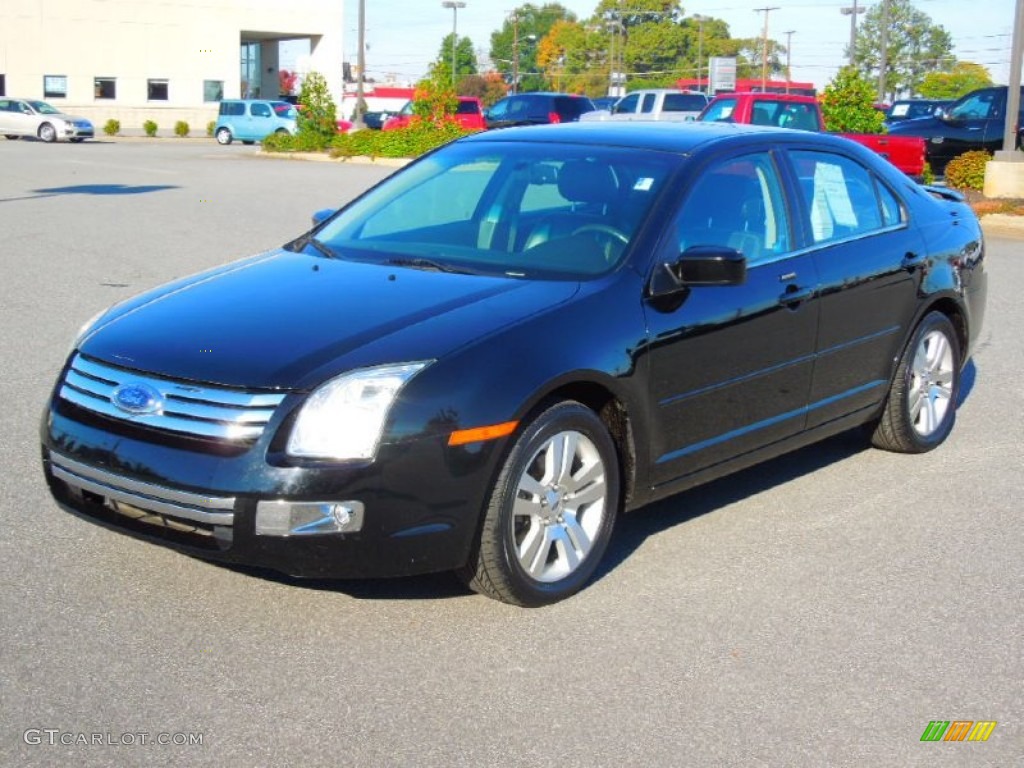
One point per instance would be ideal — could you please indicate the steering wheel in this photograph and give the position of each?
(604, 229)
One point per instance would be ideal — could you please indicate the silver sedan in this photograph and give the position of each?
(30, 117)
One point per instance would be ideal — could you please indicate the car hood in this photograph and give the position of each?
(919, 126)
(290, 320)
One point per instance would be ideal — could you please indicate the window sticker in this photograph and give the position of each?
(643, 184)
(832, 203)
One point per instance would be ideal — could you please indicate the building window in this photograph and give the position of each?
(3, 85)
(213, 90)
(156, 90)
(105, 88)
(55, 86)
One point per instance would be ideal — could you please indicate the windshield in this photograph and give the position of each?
(719, 110)
(43, 108)
(506, 208)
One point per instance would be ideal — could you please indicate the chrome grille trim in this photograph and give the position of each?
(191, 409)
(199, 508)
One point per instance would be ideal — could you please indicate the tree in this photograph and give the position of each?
(964, 77)
(318, 114)
(434, 97)
(914, 46)
(465, 55)
(286, 82)
(529, 23)
(488, 87)
(848, 104)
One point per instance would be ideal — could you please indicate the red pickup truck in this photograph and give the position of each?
(804, 113)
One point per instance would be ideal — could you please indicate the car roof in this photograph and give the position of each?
(659, 136)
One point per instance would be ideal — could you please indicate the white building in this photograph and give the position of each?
(161, 60)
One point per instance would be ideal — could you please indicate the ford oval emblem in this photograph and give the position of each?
(138, 398)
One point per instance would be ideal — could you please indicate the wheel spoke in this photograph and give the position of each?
(592, 493)
(916, 401)
(943, 378)
(529, 484)
(577, 536)
(930, 416)
(937, 351)
(530, 508)
(533, 553)
(587, 475)
(567, 555)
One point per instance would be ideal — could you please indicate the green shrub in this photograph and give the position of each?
(150, 128)
(112, 127)
(318, 114)
(848, 104)
(927, 174)
(210, 126)
(181, 129)
(967, 171)
(418, 138)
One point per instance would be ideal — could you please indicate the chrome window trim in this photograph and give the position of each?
(199, 508)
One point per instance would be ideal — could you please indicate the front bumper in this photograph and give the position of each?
(421, 501)
(77, 131)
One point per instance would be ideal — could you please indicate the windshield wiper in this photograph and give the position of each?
(428, 264)
(302, 242)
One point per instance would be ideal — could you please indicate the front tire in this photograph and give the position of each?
(921, 406)
(552, 510)
(223, 136)
(47, 133)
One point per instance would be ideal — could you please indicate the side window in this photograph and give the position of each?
(721, 110)
(839, 196)
(737, 203)
(648, 103)
(892, 211)
(627, 105)
(260, 110)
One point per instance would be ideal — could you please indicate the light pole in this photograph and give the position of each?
(360, 123)
(883, 61)
(454, 5)
(852, 12)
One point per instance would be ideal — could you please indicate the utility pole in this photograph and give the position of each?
(454, 5)
(789, 45)
(700, 49)
(883, 61)
(852, 13)
(358, 122)
(764, 45)
(515, 51)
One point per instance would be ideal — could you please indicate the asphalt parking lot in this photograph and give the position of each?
(819, 610)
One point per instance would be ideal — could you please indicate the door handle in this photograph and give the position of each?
(794, 295)
(911, 261)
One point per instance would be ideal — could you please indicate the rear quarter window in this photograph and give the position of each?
(232, 108)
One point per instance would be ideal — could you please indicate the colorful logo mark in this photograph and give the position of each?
(958, 730)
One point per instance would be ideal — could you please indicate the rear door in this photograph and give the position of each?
(870, 261)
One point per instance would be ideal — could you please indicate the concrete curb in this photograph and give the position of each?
(323, 157)
(1003, 225)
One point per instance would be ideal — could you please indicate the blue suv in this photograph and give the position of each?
(250, 120)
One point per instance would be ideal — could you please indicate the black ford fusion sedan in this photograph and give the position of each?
(480, 362)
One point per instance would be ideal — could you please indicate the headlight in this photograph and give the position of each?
(344, 418)
(85, 329)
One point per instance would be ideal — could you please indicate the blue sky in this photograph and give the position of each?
(403, 36)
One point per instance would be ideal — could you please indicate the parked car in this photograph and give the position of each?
(604, 102)
(537, 109)
(31, 117)
(654, 104)
(251, 120)
(469, 114)
(804, 113)
(911, 109)
(480, 362)
(972, 122)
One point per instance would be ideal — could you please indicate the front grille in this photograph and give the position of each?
(188, 409)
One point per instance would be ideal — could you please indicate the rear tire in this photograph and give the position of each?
(551, 513)
(248, 143)
(11, 137)
(79, 140)
(921, 406)
(223, 136)
(47, 133)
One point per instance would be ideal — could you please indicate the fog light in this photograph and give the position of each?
(308, 518)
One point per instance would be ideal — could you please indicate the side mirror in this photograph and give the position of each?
(710, 265)
(323, 215)
(700, 265)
